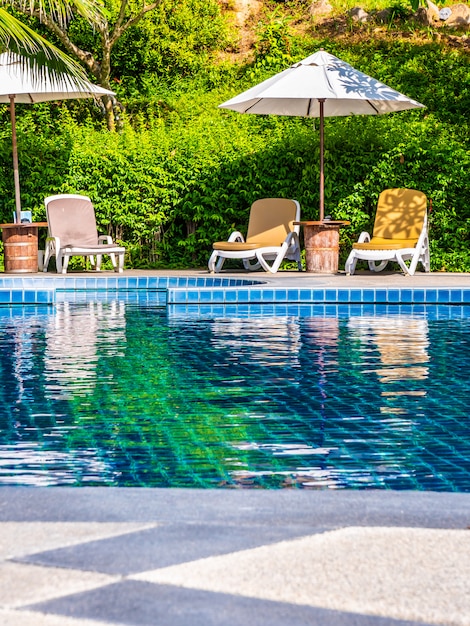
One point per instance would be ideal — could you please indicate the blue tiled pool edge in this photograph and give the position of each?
(203, 290)
(267, 295)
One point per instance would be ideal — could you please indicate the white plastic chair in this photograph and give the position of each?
(72, 232)
(400, 233)
(271, 238)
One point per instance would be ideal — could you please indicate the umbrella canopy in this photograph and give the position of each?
(320, 86)
(19, 84)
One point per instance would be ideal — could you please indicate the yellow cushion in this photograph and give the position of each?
(382, 243)
(271, 220)
(400, 215)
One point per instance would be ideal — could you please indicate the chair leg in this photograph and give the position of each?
(119, 266)
(350, 266)
(377, 267)
(47, 256)
(211, 262)
(61, 261)
(251, 267)
(214, 264)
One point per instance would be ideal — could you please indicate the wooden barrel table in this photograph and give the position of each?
(321, 241)
(20, 245)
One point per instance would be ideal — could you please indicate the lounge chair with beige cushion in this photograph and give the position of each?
(400, 233)
(271, 238)
(72, 232)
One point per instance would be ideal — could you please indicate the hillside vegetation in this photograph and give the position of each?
(181, 173)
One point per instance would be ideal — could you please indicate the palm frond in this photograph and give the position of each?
(62, 11)
(40, 55)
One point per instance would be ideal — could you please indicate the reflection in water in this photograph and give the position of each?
(116, 394)
(76, 336)
(402, 343)
(53, 357)
(28, 464)
(266, 341)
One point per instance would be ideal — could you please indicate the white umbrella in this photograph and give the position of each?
(320, 86)
(19, 84)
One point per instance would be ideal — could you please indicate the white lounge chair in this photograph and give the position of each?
(400, 233)
(271, 237)
(72, 232)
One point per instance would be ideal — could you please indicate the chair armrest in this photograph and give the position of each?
(236, 236)
(364, 237)
(54, 242)
(105, 239)
(292, 235)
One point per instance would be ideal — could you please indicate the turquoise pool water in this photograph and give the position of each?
(98, 391)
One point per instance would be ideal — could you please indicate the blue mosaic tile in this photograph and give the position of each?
(218, 295)
(394, 295)
(318, 295)
(381, 295)
(305, 295)
(293, 295)
(243, 295)
(431, 295)
(418, 295)
(5, 296)
(466, 295)
(280, 295)
(255, 295)
(343, 295)
(231, 295)
(154, 283)
(356, 295)
(443, 295)
(330, 309)
(406, 295)
(267, 295)
(205, 295)
(331, 295)
(17, 295)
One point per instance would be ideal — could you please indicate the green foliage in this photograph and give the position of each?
(184, 173)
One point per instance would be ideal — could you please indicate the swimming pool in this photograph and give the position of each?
(125, 391)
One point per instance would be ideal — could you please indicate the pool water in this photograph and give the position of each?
(341, 397)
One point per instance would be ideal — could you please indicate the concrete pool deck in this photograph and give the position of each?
(178, 557)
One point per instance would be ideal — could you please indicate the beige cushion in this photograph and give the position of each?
(235, 245)
(271, 220)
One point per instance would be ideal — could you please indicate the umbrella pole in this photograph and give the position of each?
(16, 174)
(322, 169)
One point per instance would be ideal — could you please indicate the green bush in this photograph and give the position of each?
(184, 173)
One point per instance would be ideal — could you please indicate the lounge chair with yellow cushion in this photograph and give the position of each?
(271, 237)
(400, 233)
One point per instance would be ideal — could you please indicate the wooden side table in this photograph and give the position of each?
(321, 240)
(20, 243)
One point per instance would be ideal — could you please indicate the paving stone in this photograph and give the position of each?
(20, 538)
(143, 604)
(400, 573)
(21, 584)
(159, 547)
(29, 618)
